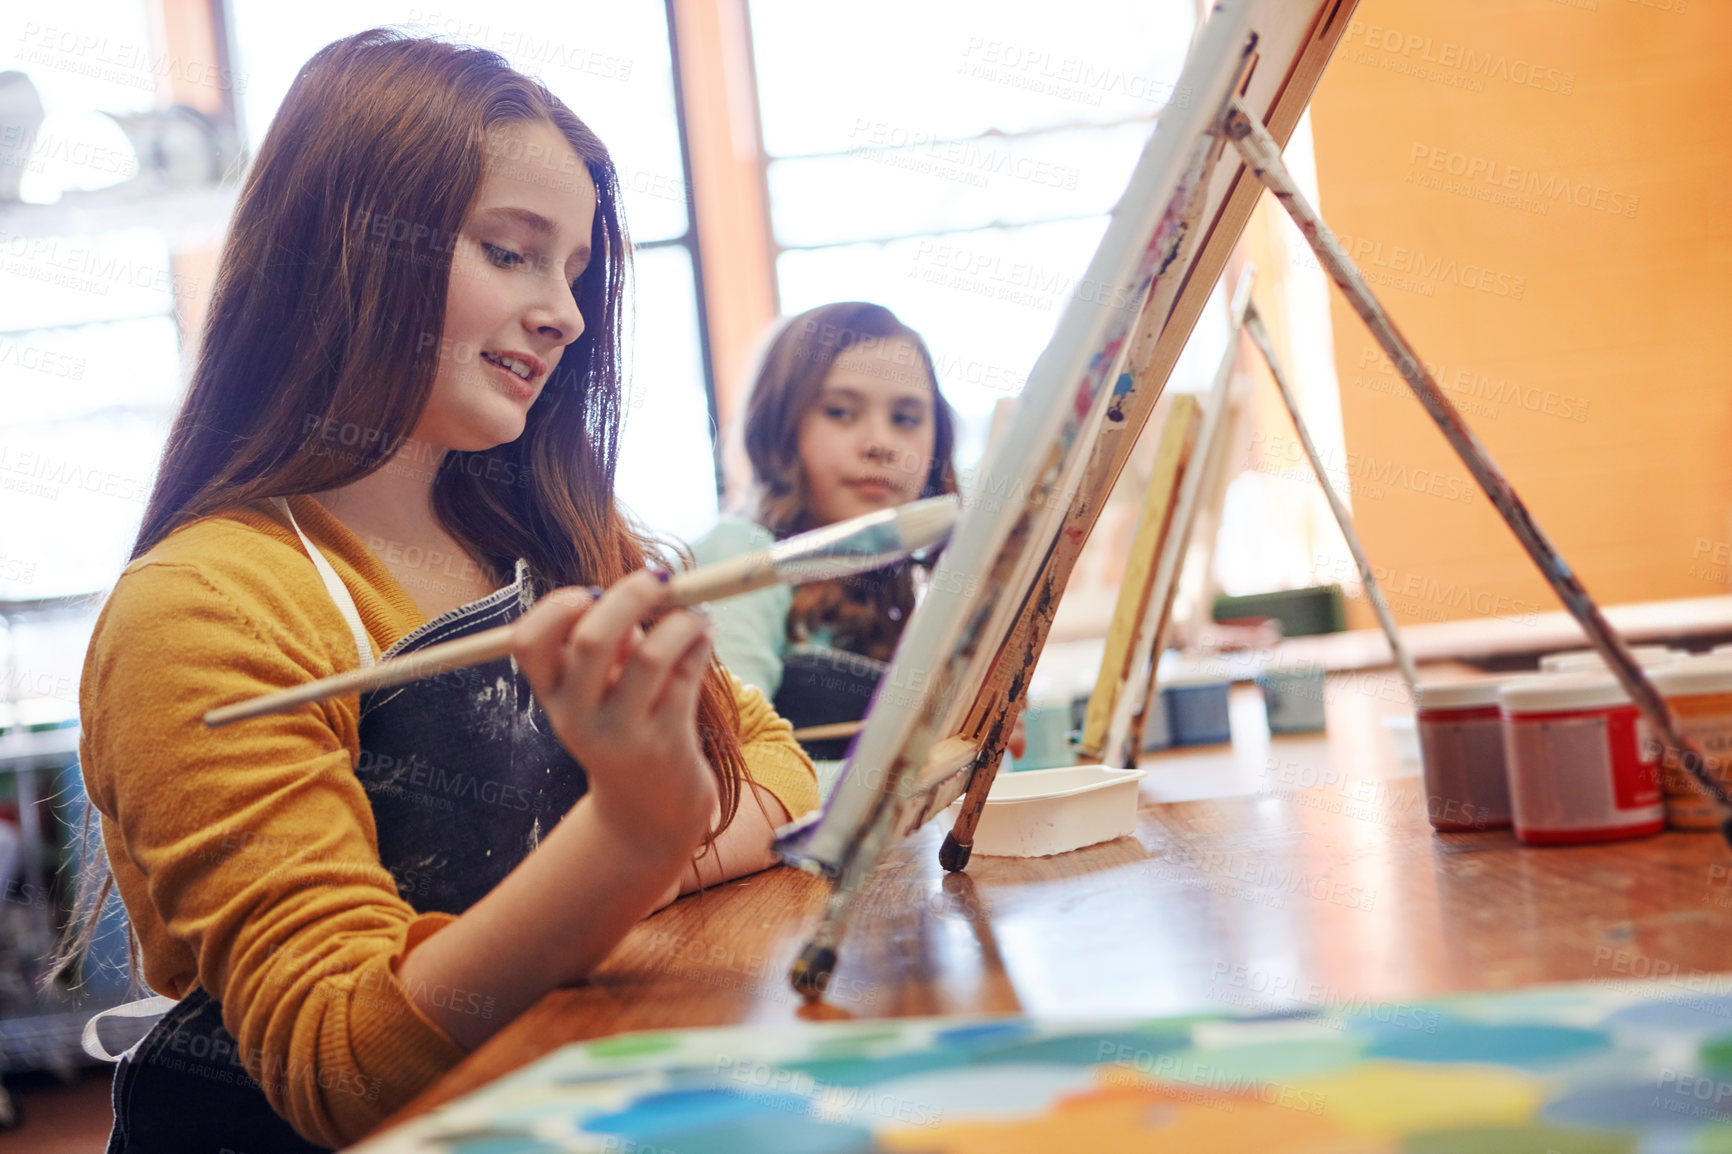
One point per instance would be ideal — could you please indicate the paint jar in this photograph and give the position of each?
(1699, 691)
(1293, 698)
(1197, 709)
(1579, 769)
(1461, 753)
(1590, 661)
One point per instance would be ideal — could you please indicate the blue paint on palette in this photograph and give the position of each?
(1122, 386)
(1652, 1104)
(767, 1136)
(654, 1115)
(1707, 1014)
(1521, 1046)
(865, 1071)
(987, 1033)
(1083, 1049)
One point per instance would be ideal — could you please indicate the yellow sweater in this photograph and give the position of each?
(247, 856)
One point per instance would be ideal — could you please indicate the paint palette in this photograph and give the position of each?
(1578, 1068)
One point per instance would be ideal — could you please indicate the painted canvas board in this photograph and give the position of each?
(1594, 1066)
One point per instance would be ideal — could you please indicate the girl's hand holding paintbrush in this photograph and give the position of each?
(623, 699)
(853, 546)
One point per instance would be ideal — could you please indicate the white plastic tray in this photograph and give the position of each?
(1041, 812)
(1404, 729)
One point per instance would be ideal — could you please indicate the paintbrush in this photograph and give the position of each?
(857, 545)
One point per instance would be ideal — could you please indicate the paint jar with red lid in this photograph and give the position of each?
(1580, 769)
(1461, 754)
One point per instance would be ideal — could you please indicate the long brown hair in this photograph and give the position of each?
(327, 313)
(864, 614)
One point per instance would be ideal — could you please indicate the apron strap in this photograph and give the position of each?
(151, 1007)
(335, 587)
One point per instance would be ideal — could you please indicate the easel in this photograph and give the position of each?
(1126, 689)
(976, 647)
(957, 683)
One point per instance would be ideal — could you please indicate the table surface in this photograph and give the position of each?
(1276, 873)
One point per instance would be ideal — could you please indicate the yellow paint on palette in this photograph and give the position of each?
(1383, 1098)
(1140, 1116)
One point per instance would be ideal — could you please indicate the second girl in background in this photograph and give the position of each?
(845, 418)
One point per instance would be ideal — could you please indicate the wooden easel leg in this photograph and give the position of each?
(954, 853)
(1263, 157)
(810, 975)
(1373, 591)
(1006, 692)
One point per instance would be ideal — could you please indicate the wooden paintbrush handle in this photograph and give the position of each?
(828, 732)
(736, 575)
(918, 526)
(465, 651)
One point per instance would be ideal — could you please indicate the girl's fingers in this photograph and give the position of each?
(679, 696)
(644, 678)
(539, 637)
(627, 647)
(594, 645)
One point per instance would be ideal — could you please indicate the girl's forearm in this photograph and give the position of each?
(743, 848)
(549, 922)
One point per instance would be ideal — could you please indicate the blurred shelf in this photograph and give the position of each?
(1495, 641)
(191, 217)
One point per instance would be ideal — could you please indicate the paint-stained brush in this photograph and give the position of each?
(857, 545)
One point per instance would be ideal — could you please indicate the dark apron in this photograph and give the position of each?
(822, 685)
(464, 776)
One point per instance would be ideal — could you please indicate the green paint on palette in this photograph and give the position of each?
(1717, 1054)
(854, 1045)
(865, 1070)
(1264, 1060)
(1519, 1140)
(1712, 1140)
(1182, 1026)
(633, 1045)
(521, 1144)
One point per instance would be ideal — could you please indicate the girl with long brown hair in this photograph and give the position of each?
(845, 417)
(401, 429)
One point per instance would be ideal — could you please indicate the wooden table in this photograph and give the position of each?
(1318, 880)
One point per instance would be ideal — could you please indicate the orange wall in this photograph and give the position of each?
(1602, 329)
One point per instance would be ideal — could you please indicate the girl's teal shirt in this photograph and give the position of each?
(751, 630)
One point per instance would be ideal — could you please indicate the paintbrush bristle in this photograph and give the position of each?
(926, 523)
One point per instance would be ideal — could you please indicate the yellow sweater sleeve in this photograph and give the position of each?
(774, 759)
(253, 846)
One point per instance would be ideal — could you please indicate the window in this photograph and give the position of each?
(609, 62)
(89, 341)
(962, 177)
